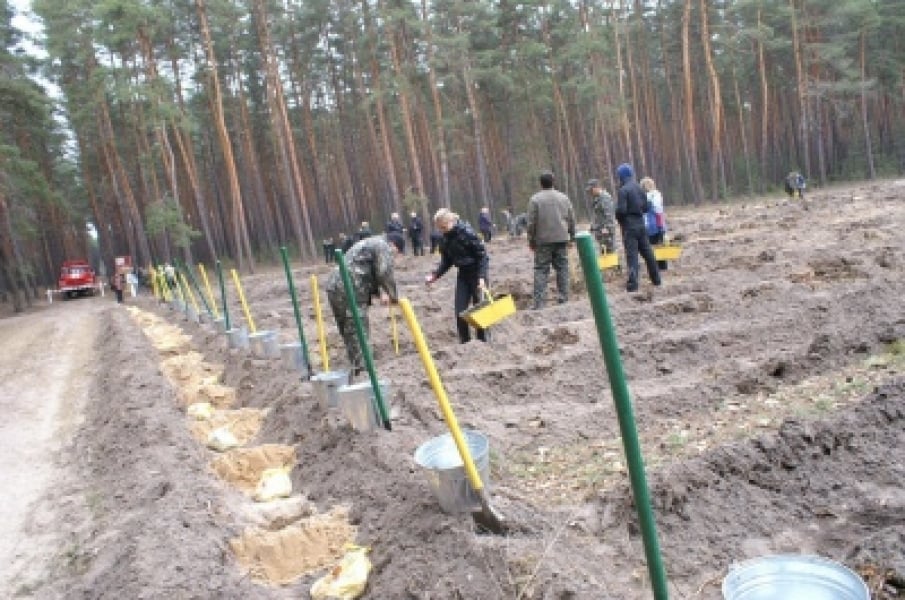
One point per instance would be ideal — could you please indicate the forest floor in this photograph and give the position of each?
(768, 383)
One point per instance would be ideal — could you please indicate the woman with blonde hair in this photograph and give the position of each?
(654, 218)
(461, 247)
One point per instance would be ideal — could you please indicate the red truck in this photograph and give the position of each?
(77, 278)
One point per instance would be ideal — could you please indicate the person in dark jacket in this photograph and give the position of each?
(461, 247)
(395, 232)
(416, 234)
(364, 231)
(485, 224)
(630, 208)
(329, 246)
(345, 242)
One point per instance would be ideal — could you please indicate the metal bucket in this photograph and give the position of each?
(293, 357)
(326, 385)
(264, 344)
(439, 458)
(238, 337)
(358, 404)
(793, 576)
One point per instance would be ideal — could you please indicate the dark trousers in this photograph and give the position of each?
(657, 238)
(417, 246)
(635, 241)
(488, 234)
(328, 253)
(467, 293)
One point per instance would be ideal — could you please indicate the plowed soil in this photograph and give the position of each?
(768, 390)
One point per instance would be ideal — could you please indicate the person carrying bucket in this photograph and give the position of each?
(370, 266)
(461, 247)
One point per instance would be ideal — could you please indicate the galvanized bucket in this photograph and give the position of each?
(357, 403)
(439, 459)
(784, 576)
(264, 344)
(238, 337)
(326, 385)
(293, 357)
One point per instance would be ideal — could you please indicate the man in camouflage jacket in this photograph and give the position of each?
(603, 223)
(370, 265)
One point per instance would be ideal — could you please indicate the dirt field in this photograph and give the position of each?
(767, 382)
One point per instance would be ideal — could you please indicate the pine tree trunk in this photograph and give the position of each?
(865, 122)
(691, 145)
(240, 231)
(716, 107)
(804, 116)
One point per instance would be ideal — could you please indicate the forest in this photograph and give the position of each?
(223, 129)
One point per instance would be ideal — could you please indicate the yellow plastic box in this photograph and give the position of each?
(490, 311)
(667, 252)
(608, 261)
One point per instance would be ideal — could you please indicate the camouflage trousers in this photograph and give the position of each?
(545, 255)
(345, 322)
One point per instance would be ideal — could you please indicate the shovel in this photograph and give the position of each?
(487, 518)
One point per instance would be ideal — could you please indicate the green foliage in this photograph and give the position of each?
(164, 216)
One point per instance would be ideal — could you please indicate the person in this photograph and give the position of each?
(169, 273)
(795, 183)
(397, 240)
(329, 246)
(461, 247)
(630, 208)
(396, 229)
(436, 236)
(485, 224)
(117, 284)
(416, 234)
(521, 224)
(364, 231)
(603, 222)
(654, 218)
(345, 242)
(551, 227)
(370, 265)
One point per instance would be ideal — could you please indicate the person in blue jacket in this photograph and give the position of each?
(631, 204)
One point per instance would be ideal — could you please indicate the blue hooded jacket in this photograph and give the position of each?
(631, 203)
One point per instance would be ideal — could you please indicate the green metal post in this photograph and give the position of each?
(619, 387)
(362, 338)
(194, 284)
(295, 307)
(223, 295)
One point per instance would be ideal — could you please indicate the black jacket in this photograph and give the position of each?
(462, 248)
(631, 205)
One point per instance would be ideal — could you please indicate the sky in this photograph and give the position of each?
(28, 24)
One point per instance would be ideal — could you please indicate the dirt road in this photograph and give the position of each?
(46, 369)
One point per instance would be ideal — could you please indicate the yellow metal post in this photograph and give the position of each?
(394, 330)
(251, 322)
(321, 334)
(210, 293)
(154, 286)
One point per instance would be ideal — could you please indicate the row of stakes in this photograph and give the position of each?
(455, 492)
(363, 403)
